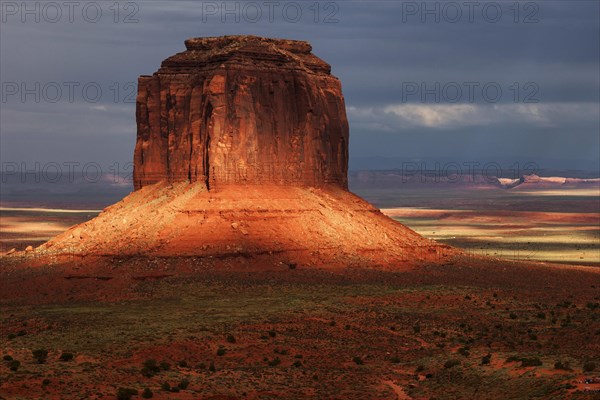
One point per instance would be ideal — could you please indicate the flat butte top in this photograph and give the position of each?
(244, 52)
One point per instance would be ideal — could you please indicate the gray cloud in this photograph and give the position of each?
(373, 51)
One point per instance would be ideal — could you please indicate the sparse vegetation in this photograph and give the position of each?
(183, 384)
(66, 356)
(451, 363)
(126, 393)
(40, 355)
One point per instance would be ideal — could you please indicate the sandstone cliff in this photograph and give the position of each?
(242, 110)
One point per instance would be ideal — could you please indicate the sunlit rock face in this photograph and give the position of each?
(242, 110)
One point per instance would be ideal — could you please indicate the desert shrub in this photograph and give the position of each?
(592, 306)
(21, 333)
(40, 355)
(531, 362)
(464, 351)
(175, 389)
(541, 315)
(147, 393)
(274, 362)
(283, 352)
(358, 361)
(183, 364)
(420, 368)
(298, 356)
(14, 365)
(221, 351)
(11, 336)
(66, 356)
(46, 382)
(125, 393)
(150, 368)
(183, 384)
(513, 359)
(165, 386)
(589, 366)
(211, 367)
(230, 339)
(562, 365)
(486, 359)
(297, 364)
(395, 360)
(165, 366)
(451, 363)
(513, 316)
(533, 336)
(272, 333)
(7, 358)
(417, 328)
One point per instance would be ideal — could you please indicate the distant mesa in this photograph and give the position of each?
(242, 156)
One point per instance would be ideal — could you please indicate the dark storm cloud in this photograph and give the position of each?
(375, 48)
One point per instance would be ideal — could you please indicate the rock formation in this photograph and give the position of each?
(242, 155)
(242, 110)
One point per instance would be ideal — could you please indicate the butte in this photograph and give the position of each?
(242, 154)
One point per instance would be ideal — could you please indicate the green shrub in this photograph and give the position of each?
(464, 351)
(451, 363)
(513, 316)
(274, 362)
(11, 336)
(40, 355)
(211, 367)
(562, 365)
(272, 333)
(126, 393)
(183, 364)
(531, 362)
(395, 360)
(486, 359)
(221, 351)
(14, 365)
(7, 358)
(165, 386)
(297, 364)
(165, 366)
(150, 368)
(147, 393)
(358, 361)
(65, 356)
(230, 339)
(183, 384)
(46, 382)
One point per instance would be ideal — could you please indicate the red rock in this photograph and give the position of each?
(242, 110)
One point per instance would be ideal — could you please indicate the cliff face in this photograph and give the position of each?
(242, 110)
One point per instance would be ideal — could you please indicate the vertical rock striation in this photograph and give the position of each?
(237, 110)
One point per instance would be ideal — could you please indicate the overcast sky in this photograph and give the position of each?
(486, 82)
